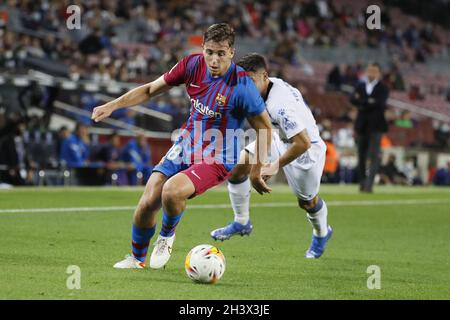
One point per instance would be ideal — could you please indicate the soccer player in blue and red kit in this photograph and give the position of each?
(222, 96)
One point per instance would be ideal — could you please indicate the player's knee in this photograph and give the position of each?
(307, 204)
(171, 192)
(149, 202)
(151, 199)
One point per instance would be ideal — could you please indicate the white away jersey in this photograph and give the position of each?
(288, 112)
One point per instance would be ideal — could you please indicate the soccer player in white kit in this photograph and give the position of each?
(297, 148)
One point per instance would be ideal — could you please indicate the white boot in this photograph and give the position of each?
(161, 252)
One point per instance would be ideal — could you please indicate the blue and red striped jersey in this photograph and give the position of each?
(219, 107)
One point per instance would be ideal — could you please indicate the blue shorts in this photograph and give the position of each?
(169, 168)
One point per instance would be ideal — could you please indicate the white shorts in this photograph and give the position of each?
(304, 173)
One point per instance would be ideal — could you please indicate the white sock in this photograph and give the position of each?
(318, 220)
(240, 200)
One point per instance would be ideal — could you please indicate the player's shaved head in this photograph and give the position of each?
(220, 32)
(253, 62)
(256, 67)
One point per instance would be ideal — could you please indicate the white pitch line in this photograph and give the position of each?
(227, 206)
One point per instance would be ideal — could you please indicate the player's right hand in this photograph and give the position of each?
(101, 112)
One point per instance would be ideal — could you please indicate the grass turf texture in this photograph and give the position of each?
(409, 241)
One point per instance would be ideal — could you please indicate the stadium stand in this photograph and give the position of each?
(52, 77)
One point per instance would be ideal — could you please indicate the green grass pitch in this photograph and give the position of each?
(403, 231)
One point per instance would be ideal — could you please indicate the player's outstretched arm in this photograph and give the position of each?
(261, 123)
(300, 144)
(131, 98)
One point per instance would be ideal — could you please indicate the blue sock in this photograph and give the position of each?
(140, 240)
(169, 224)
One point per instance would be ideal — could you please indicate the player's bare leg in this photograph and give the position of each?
(239, 188)
(175, 193)
(317, 212)
(144, 222)
(150, 201)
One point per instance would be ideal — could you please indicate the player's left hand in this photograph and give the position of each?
(258, 182)
(269, 170)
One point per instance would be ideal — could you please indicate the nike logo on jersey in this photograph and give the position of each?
(193, 172)
(194, 85)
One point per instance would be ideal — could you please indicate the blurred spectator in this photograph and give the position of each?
(349, 115)
(334, 79)
(370, 98)
(325, 125)
(390, 174)
(93, 43)
(19, 169)
(405, 120)
(442, 176)
(344, 136)
(62, 134)
(411, 171)
(331, 160)
(129, 117)
(393, 79)
(350, 76)
(414, 93)
(441, 134)
(109, 153)
(136, 154)
(75, 149)
(386, 142)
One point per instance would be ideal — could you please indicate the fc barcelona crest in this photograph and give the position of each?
(220, 99)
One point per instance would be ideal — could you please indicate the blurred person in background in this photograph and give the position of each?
(411, 170)
(14, 158)
(334, 79)
(75, 149)
(129, 117)
(405, 120)
(442, 176)
(62, 134)
(137, 156)
(344, 136)
(370, 98)
(394, 79)
(331, 159)
(110, 154)
(390, 173)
